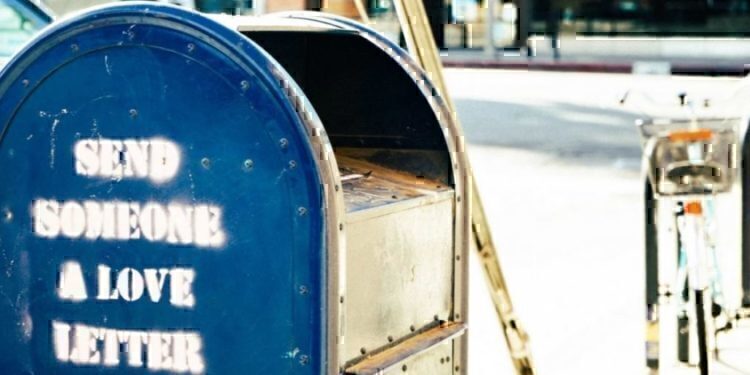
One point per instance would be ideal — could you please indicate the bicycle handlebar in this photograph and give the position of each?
(724, 106)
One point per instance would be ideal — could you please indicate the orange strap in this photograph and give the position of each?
(691, 135)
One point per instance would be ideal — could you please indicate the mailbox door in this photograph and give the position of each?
(161, 203)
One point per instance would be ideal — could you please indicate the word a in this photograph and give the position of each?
(198, 225)
(166, 351)
(154, 158)
(130, 284)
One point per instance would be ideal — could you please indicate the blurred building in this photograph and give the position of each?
(628, 26)
(462, 23)
(518, 19)
(701, 18)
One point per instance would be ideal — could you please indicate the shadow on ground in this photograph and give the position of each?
(579, 134)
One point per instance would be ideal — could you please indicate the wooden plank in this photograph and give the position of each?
(406, 349)
(368, 185)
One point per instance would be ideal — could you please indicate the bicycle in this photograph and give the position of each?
(689, 162)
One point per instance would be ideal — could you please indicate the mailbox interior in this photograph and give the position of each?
(398, 189)
(371, 108)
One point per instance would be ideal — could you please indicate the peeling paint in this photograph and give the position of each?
(107, 67)
(292, 354)
(192, 186)
(278, 178)
(95, 128)
(129, 32)
(55, 122)
(52, 136)
(26, 324)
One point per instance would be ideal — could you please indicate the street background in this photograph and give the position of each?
(557, 160)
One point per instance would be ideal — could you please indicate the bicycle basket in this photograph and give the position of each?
(686, 158)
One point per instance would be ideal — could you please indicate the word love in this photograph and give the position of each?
(83, 345)
(155, 158)
(198, 225)
(128, 285)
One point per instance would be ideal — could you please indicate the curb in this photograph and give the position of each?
(734, 70)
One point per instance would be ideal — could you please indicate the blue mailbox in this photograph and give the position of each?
(275, 195)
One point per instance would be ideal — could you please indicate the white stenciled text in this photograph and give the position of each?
(128, 284)
(157, 351)
(198, 225)
(156, 159)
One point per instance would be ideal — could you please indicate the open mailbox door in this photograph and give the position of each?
(276, 195)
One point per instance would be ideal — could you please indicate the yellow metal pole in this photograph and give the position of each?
(362, 11)
(419, 40)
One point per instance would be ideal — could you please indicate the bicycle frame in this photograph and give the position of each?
(689, 162)
(711, 260)
(693, 234)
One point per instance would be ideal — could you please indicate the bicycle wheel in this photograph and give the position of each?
(702, 330)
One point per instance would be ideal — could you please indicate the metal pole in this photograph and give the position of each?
(489, 43)
(362, 10)
(515, 336)
(745, 186)
(523, 22)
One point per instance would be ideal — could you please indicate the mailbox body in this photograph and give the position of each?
(238, 195)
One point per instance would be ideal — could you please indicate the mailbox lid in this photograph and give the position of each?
(235, 163)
